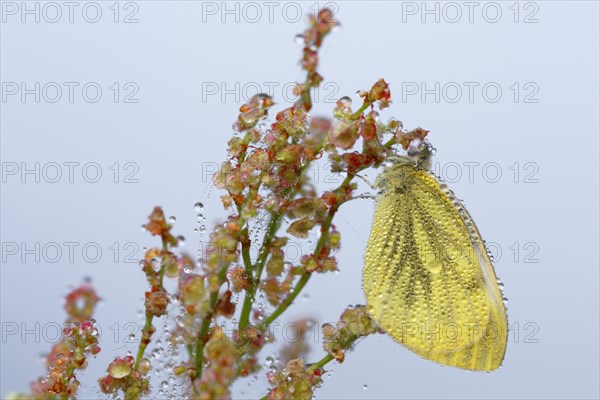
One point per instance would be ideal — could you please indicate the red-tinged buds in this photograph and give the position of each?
(380, 92)
(405, 138)
(290, 154)
(344, 134)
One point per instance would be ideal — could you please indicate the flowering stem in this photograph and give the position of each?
(147, 330)
(262, 257)
(143, 343)
(260, 263)
(202, 336)
(246, 251)
(324, 361)
(306, 276)
(287, 302)
(328, 358)
(358, 113)
(322, 240)
(247, 307)
(66, 381)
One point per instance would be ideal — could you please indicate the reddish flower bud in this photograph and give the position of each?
(224, 305)
(290, 154)
(156, 303)
(405, 138)
(380, 92)
(369, 127)
(344, 134)
(301, 227)
(239, 279)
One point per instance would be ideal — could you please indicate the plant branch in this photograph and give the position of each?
(272, 229)
(324, 361)
(204, 328)
(306, 276)
(146, 331)
(328, 358)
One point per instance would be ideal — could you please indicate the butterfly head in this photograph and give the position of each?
(421, 153)
(401, 167)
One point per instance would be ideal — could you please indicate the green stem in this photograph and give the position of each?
(202, 337)
(149, 317)
(362, 108)
(260, 263)
(263, 255)
(324, 361)
(143, 344)
(247, 266)
(328, 358)
(246, 251)
(390, 142)
(306, 276)
(67, 381)
(204, 328)
(287, 302)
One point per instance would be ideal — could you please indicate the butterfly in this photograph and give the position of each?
(428, 279)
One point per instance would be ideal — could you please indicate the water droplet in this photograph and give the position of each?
(344, 102)
(172, 219)
(198, 207)
(299, 39)
(365, 387)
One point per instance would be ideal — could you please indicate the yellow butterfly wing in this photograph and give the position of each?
(428, 279)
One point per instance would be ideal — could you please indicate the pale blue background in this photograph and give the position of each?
(172, 133)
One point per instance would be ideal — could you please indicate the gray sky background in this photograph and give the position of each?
(528, 133)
